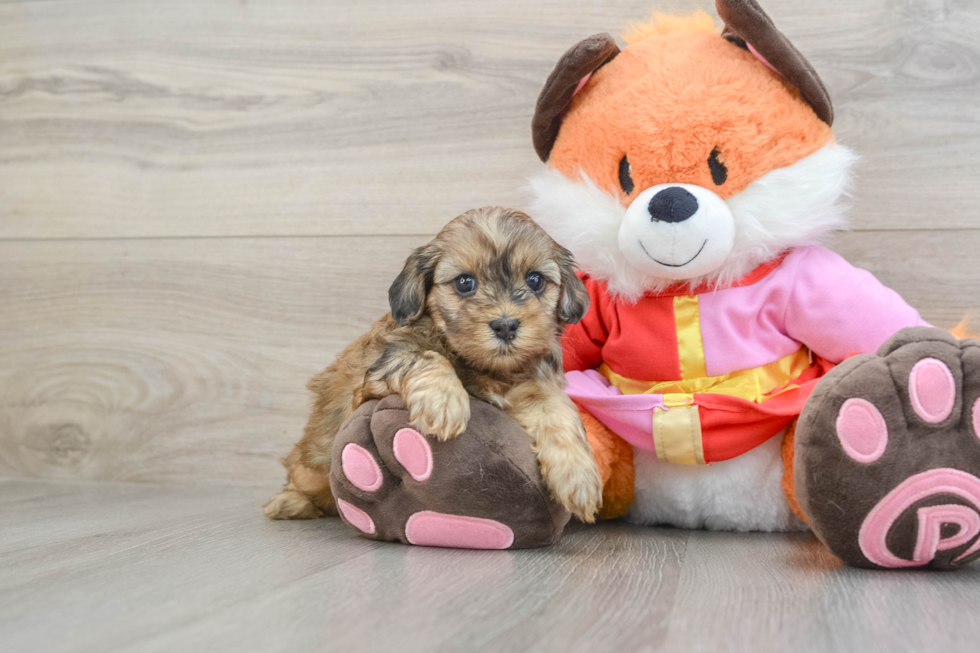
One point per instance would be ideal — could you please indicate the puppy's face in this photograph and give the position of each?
(496, 285)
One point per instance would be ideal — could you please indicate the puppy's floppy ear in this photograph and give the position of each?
(573, 303)
(407, 293)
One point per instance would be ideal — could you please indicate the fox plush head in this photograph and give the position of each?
(691, 157)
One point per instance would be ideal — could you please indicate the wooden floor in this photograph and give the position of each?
(139, 567)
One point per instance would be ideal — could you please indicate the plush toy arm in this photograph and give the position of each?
(579, 351)
(582, 342)
(836, 309)
(614, 458)
(582, 350)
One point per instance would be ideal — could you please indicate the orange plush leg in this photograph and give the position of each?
(964, 330)
(614, 458)
(789, 487)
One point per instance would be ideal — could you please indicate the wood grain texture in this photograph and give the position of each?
(176, 180)
(303, 117)
(609, 588)
(185, 360)
(175, 360)
(788, 593)
(138, 567)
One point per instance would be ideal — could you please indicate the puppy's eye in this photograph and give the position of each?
(464, 284)
(536, 282)
(719, 173)
(625, 175)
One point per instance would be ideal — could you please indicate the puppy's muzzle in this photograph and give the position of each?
(505, 328)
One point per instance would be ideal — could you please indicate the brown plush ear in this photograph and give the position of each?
(407, 293)
(582, 59)
(574, 301)
(746, 24)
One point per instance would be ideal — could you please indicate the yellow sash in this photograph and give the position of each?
(752, 385)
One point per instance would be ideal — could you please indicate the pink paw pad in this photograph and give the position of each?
(873, 537)
(931, 521)
(862, 430)
(429, 528)
(976, 418)
(356, 517)
(932, 390)
(412, 451)
(361, 468)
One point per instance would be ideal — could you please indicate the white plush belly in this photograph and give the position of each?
(741, 494)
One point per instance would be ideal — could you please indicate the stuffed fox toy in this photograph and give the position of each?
(732, 373)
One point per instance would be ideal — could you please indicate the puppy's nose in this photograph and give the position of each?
(673, 204)
(505, 328)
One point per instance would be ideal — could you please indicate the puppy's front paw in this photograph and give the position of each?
(574, 482)
(441, 407)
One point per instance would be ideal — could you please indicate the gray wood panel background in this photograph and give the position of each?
(201, 201)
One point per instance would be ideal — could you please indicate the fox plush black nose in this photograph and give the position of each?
(505, 328)
(673, 204)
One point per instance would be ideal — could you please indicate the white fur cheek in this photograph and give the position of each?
(741, 494)
(795, 206)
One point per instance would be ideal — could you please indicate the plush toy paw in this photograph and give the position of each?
(481, 490)
(888, 454)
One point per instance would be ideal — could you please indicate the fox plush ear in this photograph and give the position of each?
(748, 26)
(407, 293)
(572, 70)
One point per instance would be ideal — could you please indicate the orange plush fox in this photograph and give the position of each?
(732, 372)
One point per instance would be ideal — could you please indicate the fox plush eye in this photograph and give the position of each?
(465, 284)
(535, 282)
(719, 173)
(625, 176)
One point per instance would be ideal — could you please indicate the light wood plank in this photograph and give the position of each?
(171, 360)
(786, 592)
(186, 360)
(80, 515)
(607, 588)
(308, 117)
(226, 579)
(103, 589)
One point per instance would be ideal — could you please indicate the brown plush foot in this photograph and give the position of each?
(888, 454)
(479, 490)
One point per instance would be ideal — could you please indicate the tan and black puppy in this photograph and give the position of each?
(477, 311)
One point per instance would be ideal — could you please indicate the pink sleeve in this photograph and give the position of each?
(836, 309)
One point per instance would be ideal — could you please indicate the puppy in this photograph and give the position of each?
(477, 311)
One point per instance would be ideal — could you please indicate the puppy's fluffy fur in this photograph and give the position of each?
(437, 347)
